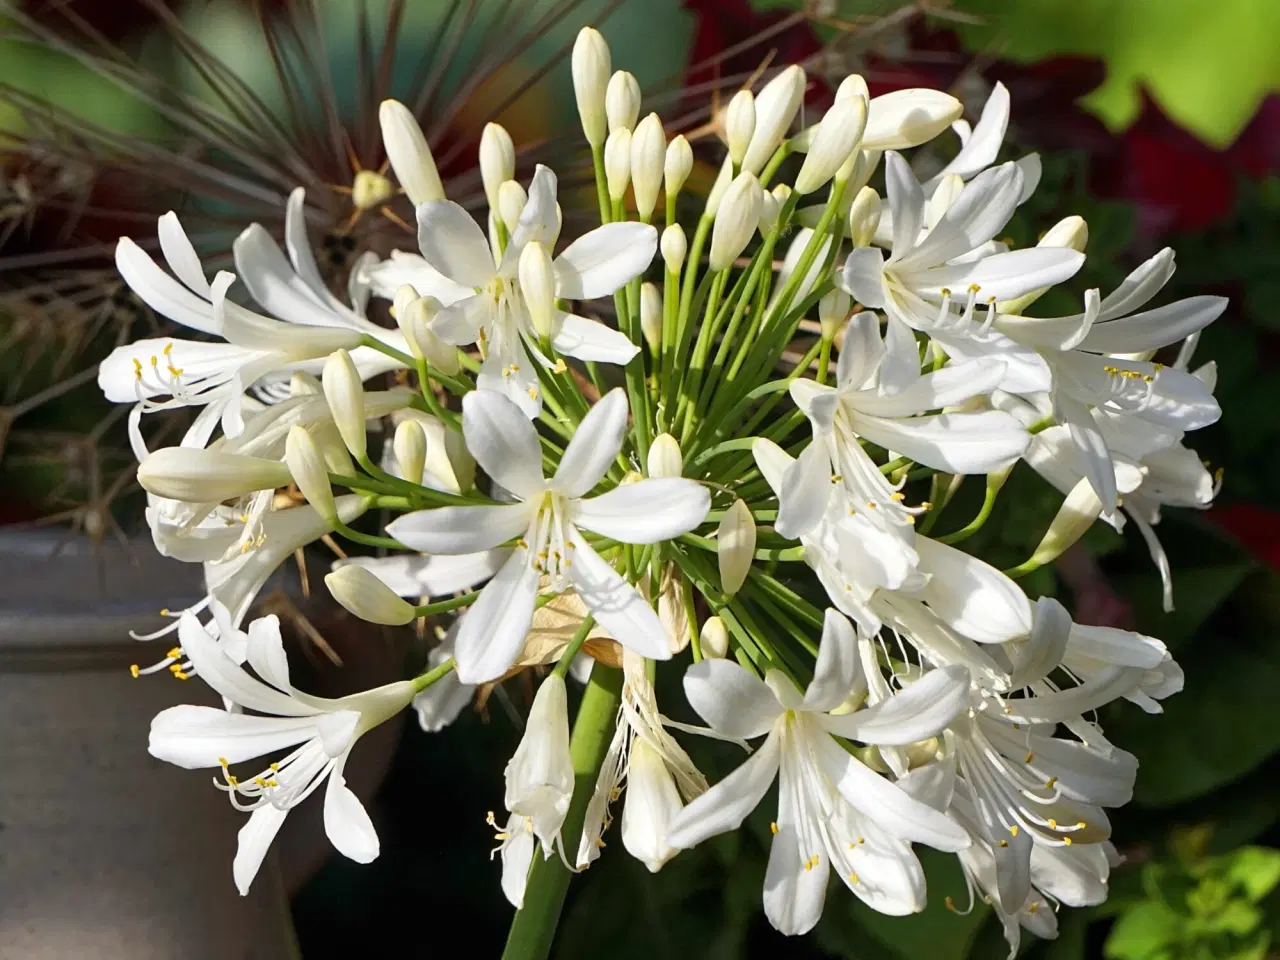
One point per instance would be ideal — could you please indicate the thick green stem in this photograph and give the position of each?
(534, 927)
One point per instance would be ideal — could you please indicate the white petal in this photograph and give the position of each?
(163, 294)
(594, 446)
(1123, 648)
(493, 631)
(973, 597)
(908, 118)
(508, 372)
(1154, 328)
(453, 243)
(1094, 457)
(252, 843)
(461, 322)
(983, 145)
(861, 352)
(1139, 287)
(337, 731)
(650, 803)
(603, 260)
(772, 460)
(539, 220)
(388, 276)
(889, 806)
(180, 254)
(194, 737)
(346, 822)
(805, 491)
(647, 511)
(982, 209)
(587, 339)
(266, 652)
(504, 442)
(906, 201)
(837, 667)
(227, 679)
(948, 387)
(955, 442)
(615, 603)
(900, 367)
(863, 276)
(919, 711)
(730, 699)
(418, 576)
(727, 804)
(460, 530)
(794, 889)
(1043, 651)
(517, 856)
(1004, 276)
(272, 281)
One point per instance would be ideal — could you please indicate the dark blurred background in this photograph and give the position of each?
(1158, 121)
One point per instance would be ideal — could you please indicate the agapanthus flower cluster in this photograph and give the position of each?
(718, 452)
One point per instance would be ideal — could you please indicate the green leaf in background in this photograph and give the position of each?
(1144, 933)
(1197, 591)
(1208, 65)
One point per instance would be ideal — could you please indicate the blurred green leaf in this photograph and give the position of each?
(1207, 64)
(1144, 932)
(1198, 593)
(1255, 870)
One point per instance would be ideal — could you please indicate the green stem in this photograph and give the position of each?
(533, 929)
(444, 606)
(422, 681)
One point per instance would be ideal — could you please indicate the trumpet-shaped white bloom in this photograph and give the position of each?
(545, 522)
(258, 350)
(860, 407)
(321, 732)
(832, 810)
(493, 309)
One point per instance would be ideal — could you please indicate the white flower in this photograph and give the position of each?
(832, 810)
(936, 279)
(259, 349)
(594, 265)
(660, 776)
(546, 518)
(539, 775)
(321, 731)
(861, 407)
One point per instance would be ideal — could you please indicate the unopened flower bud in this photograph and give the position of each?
(775, 109)
(1076, 515)
(195, 475)
(674, 247)
(539, 776)
(736, 546)
(740, 124)
(736, 220)
(410, 445)
(617, 163)
(409, 153)
(908, 118)
(833, 310)
(497, 161)
(864, 217)
(622, 101)
(833, 143)
(648, 152)
(345, 393)
(651, 315)
(665, 459)
(303, 384)
(714, 639)
(538, 285)
(719, 188)
(361, 593)
(511, 200)
(461, 463)
(1070, 233)
(677, 165)
(309, 471)
(413, 316)
(590, 64)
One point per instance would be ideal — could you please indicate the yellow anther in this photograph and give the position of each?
(175, 652)
(175, 371)
(515, 367)
(134, 671)
(951, 905)
(155, 361)
(773, 828)
(897, 496)
(599, 843)
(560, 366)
(1066, 841)
(233, 781)
(164, 611)
(871, 505)
(533, 393)
(275, 767)
(222, 762)
(1053, 824)
(1029, 757)
(1013, 831)
(1034, 907)
(926, 505)
(1081, 825)
(974, 288)
(1004, 843)
(520, 542)
(182, 676)
(168, 348)
(946, 291)
(853, 878)
(259, 781)
(1050, 783)
(836, 478)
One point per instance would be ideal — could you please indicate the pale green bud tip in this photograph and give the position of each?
(362, 594)
(740, 124)
(617, 163)
(864, 217)
(648, 153)
(651, 315)
(714, 639)
(833, 144)
(409, 153)
(665, 458)
(538, 285)
(511, 200)
(410, 445)
(736, 220)
(1076, 515)
(677, 165)
(833, 311)
(590, 66)
(736, 541)
(1071, 233)
(674, 247)
(345, 393)
(497, 161)
(622, 101)
(309, 471)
